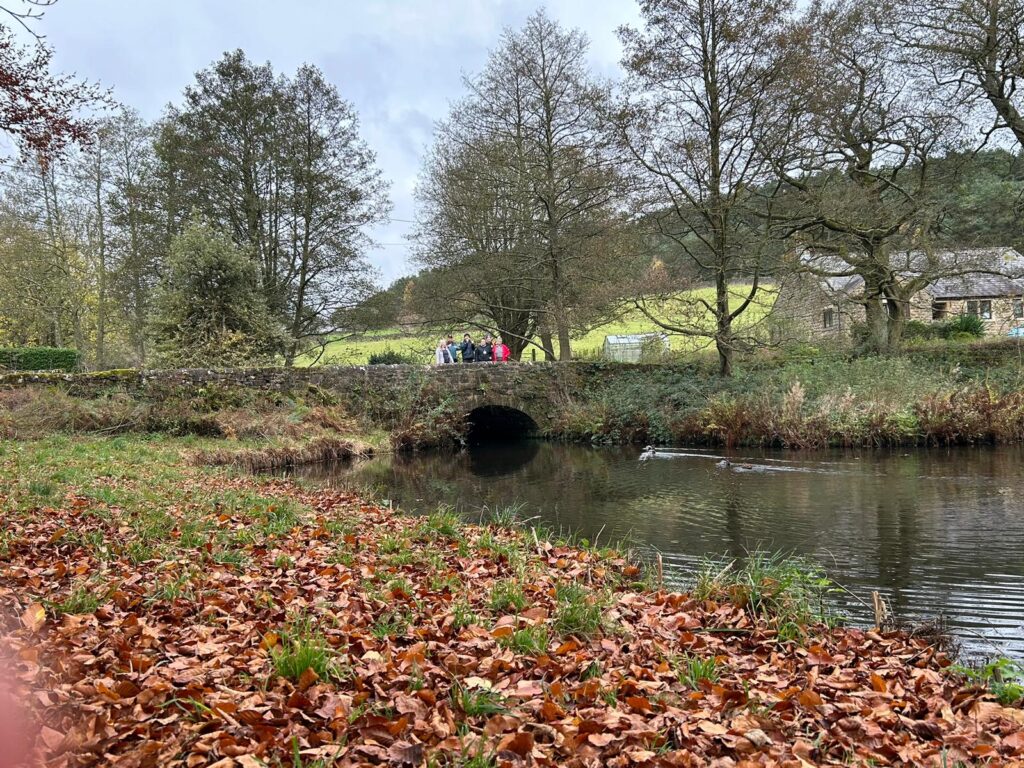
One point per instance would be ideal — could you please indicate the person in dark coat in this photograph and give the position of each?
(467, 349)
(484, 353)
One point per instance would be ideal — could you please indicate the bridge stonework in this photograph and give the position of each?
(533, 389)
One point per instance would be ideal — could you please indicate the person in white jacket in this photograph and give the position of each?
(442, 356)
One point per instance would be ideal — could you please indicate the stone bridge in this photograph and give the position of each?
(499, 398)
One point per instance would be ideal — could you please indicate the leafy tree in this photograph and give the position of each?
(40, 110)
(279, 164)
(209, 309)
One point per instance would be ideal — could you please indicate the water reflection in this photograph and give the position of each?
(937, 532)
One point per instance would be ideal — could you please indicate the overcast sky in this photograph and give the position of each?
(399, 61)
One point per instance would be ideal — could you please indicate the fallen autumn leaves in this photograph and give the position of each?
(319, 630)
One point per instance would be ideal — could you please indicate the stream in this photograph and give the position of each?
(935, 531)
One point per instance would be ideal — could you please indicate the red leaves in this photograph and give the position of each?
(179, 665)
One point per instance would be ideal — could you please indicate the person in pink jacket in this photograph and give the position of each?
(500, 351)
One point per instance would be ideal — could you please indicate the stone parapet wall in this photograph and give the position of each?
(532, 388)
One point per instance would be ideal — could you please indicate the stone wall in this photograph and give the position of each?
(533, 389)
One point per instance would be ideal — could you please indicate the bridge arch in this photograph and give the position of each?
(497, 422)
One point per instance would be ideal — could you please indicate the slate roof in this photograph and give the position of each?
(979, 284)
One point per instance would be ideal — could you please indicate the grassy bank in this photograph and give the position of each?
(933, 395)
(159, 613)
(946, 394)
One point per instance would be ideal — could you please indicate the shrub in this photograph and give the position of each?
(39, 358)
(964, 327)
(393, 357)
(915, 329)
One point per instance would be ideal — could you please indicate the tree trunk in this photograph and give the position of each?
(564, 344)
(898, 315)
(723, 331)
(877, 326)
(101, 243)
(547, 344)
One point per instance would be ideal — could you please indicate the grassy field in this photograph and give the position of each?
(356, 349)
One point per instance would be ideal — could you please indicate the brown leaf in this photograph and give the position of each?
(34, 617)
(405, 753)
(810, 699)
(601, 739)
(307, 678)
(270, 639)
(712, 728)
(520, 743)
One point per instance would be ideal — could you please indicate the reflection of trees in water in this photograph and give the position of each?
(879, 515)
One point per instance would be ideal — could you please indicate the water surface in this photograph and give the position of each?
(935, 531)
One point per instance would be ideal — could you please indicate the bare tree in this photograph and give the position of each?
(702, 120)
(862, 166)
(476, 237)
(530, 131)
(971, 49)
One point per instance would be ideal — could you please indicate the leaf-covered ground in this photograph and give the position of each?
(185, 617)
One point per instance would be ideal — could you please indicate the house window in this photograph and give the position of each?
(939, 309)
(828, 318)
(1018, 308)
(982, 309)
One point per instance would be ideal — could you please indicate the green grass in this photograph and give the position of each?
(475, 702)
(356, 349)
(507, 597)
(1003, 677)
(83, 599)
(390, 624)
(531, 641)
(303, 647)
(578, 612)
(787, 592)
(692, 670)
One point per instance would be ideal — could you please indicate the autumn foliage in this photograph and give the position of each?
(281, 626)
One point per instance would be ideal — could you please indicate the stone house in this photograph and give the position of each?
(811, 307)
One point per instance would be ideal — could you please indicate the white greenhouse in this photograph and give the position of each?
(636, 347)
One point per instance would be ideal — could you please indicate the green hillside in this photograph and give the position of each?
(356, 349)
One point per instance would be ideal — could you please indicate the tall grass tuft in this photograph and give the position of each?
(578, 611)
(789, 593)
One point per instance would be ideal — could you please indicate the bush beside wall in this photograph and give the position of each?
(39, 358)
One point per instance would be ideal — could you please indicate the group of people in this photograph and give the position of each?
(487, 350)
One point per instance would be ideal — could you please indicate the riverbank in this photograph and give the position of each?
(163, 613)
(952, 394)
(944, 394)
